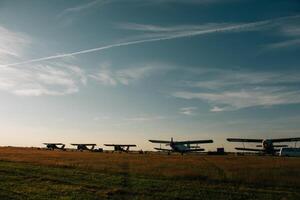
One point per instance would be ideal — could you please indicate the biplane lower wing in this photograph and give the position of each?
(244, 140)
(161, 149)
(53, 143)
(195, 150)
(120, 145)
(279, 146)
(248, 149)
(256, 150)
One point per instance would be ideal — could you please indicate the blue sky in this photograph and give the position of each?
(125, 71)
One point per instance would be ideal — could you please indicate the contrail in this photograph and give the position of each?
(239, 27)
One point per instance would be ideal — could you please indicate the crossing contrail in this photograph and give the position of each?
(167, 36)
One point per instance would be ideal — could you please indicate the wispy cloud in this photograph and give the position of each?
(107, 76)
(87, 5)
(215, 79)
(188, 110)
(291, 33)
(217, 109)
(291, 29)
(229, 90)
(144, 118)
(12, 44)
(46, 79)
(82, 7)
(168, 35)
(245, 98)
(284, 44)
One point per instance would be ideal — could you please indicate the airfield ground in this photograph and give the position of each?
(40, 174)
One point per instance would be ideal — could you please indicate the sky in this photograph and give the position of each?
(126, 71)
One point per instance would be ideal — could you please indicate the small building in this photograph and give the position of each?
(220, 151)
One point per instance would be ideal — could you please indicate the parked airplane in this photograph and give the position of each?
(53, 146)
(288, 151)
(181, 146)
(121, 147)
(82, 147)
(267, 144)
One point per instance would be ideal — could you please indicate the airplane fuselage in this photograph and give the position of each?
(178, 147)
(268, 147)
(119, 148)
(82, 147)
(54, 146)
(183, 148)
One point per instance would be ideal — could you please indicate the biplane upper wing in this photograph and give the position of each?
(248, 149)
(244, 140)
(120, 145)
(160, 141)
(286, 139)
(194, 142)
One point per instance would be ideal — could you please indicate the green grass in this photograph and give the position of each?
(31, 181)
(29, 173)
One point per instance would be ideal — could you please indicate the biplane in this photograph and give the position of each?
(181, 146)
(82, 147)
(52, 146)
(121, 147)
(267, 145)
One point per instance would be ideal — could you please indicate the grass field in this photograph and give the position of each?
(40, 174)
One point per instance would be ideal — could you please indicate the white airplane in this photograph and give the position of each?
(82, 147)
(181, 146)
(52, 146)
(267, 145)
(121, 147)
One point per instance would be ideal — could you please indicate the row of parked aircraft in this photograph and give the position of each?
(267, 146)
(89, 147)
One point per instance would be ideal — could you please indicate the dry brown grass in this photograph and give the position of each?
(258, 170)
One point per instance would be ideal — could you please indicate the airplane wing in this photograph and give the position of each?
(84, 144)
(244, 140)
(53, 143)
(195, 150)
(160, 141)
(120, 145)
(248, 149)
(279, 146)
(286, 140)
(160, 149)
(194, 142)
